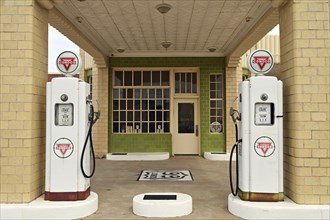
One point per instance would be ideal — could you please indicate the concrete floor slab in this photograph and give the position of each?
(116, 185)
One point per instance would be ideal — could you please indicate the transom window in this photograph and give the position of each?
(216, 103)
(141, 101)
(186, 82)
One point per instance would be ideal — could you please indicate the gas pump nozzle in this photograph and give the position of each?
(98, 113)
(233, 112)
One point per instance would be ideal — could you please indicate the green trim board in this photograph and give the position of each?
(163, 142)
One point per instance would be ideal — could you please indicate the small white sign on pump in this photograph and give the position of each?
(68, 63)
(260, 62)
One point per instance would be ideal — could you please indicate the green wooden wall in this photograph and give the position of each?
(163, 142)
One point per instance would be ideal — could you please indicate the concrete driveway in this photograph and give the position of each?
(116, 184)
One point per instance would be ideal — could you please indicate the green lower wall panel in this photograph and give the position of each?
(162, 142)
(141, 143)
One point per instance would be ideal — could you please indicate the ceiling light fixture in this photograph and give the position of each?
(79, 19)
(166, 44)
(212, 49)
(121, 50)
(163, 8)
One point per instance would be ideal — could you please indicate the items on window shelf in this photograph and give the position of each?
(129, 129)
(159, 129)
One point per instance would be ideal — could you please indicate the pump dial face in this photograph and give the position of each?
(64, 114)
(262, 114)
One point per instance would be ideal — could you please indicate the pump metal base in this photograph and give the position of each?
(261, 197)
(67, 196)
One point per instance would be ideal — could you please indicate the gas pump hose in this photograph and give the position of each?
(235, 147)
(92, 121)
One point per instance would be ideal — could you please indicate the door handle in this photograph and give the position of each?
(196, 130)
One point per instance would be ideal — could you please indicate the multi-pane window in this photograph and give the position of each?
(141, 102)
(216, 103)
(186, 82)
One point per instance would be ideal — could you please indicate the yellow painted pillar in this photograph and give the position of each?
(100, 95)
(233, 78)
(24, 51)
(304, 39)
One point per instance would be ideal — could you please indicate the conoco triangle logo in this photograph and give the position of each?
(261, 61)
(264, 146)
(63, 148)
(67, 62)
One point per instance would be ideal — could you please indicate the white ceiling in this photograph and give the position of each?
(191, 25)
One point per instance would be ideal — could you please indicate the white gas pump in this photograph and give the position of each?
(70, 117)
(259, 139)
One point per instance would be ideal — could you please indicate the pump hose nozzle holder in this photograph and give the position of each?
(92, 118)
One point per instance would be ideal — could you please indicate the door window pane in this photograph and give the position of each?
(166, 93)
(194, 83)
(115, 116)
(146, 78)
(165, 78)
(129, 104)
(122, 93)
(186, 118)
(177, 83)
(119, 78)
(137, 105)
(158, 93)
(129, 116)
(137, 93)
(122, 104)
(186, 82)
(137, 116)
(115, 127)
(122, 115)
(128, 78)
(115, 105)
(151, 93)
(144, 93)
(151, 127)
(137, 78)
(129, 93)
(156, 78)
(115, 93)
(183, 83)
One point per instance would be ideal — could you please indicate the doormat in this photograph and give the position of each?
(173, 175)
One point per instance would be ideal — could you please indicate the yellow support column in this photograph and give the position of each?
(304, 33)
(24, 51)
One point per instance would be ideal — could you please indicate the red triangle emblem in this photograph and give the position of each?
(67, 62)
(261, 61)
(63, 148)
(264, 146)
